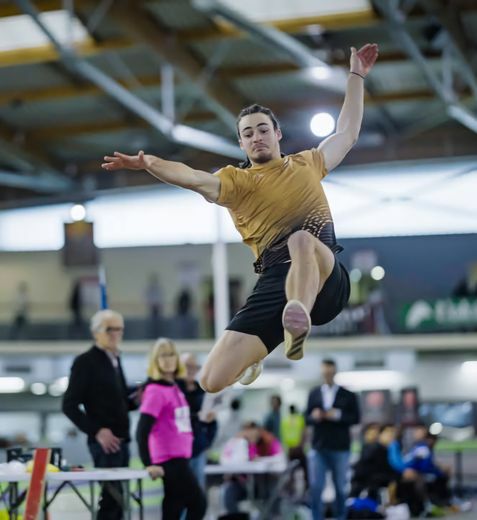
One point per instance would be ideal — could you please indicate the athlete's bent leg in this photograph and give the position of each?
(311, 264)
(231, 356)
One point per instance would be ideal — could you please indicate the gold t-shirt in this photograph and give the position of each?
(270, 201)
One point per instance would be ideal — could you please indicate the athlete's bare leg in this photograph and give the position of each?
(311, 264)
(232, 354)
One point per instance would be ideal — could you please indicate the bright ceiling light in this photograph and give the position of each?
(436, 428)
(21, 31)
(322, 124)
(321, 72)
(11, 385)
(78, 212)
(38, 388)
(58, 387)
(469, 367)
(370, 379)
(377, 273)
(287, 384)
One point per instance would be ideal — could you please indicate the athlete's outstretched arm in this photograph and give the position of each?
(170, 172)
(335, 147)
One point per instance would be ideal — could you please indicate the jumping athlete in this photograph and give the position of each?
(279, 207)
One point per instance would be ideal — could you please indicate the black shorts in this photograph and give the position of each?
(262, 313)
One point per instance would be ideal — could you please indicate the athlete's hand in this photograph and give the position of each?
(155, 472)
(121, 161)
(362, 61)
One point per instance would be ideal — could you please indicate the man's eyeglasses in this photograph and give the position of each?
(110, 330)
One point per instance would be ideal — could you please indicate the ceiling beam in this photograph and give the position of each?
(142, 28)
(333, 22)
(177, 133)
(444, 90)
(58, 132)
(11, 9)
(41, 182)
(36, 172)
(48, 53)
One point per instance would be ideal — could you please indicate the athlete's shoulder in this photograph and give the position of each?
(229, 170)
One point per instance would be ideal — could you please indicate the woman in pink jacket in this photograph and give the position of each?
(164, 435)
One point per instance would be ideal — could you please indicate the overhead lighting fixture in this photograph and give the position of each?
(21, 31)
(58, 387)
(78, 212)
(287, 384)
(322, 124)
(436, 428)
(377, 273)
(11, 385)
(38, 388)
(321, 73)
(469, 367)
(370, 379)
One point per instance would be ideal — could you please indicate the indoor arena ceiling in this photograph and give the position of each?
(169, 76)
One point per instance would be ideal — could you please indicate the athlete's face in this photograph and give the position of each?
(258, 139)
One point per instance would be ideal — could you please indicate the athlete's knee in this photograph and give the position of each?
(301, 241)
(211, 383)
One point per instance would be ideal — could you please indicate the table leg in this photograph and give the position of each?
(13, 499)
(45, 502)
(92, 485)
(126, 499)
(141, 506)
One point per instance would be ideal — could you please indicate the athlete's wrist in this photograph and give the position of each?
(357, 74)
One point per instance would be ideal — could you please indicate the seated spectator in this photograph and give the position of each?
(373, 470)
(382, 466)
(370, 437)
(260, 443)
(421, 459)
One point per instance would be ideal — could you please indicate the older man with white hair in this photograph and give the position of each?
(98, 400)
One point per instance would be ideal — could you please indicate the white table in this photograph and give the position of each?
(56, 482)
(253, 467)
(277, 466)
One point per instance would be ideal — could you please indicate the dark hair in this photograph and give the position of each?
(250, 424)
(235, 404)
(329, 362)
(277, 398)
(255, 109)
(371, 426)
(292, 409)
(386, 426)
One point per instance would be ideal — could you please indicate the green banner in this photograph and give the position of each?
(436, 315)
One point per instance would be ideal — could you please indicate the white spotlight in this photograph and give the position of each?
(322, 124)
(377, 273)
(469, 367)
(436, 428)
(287, 384)
(58, 387)
(38, 388)
(78, 212)
(11, 385)
(321, 72)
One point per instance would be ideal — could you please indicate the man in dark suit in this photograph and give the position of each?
(98, 400)
(331, 411)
